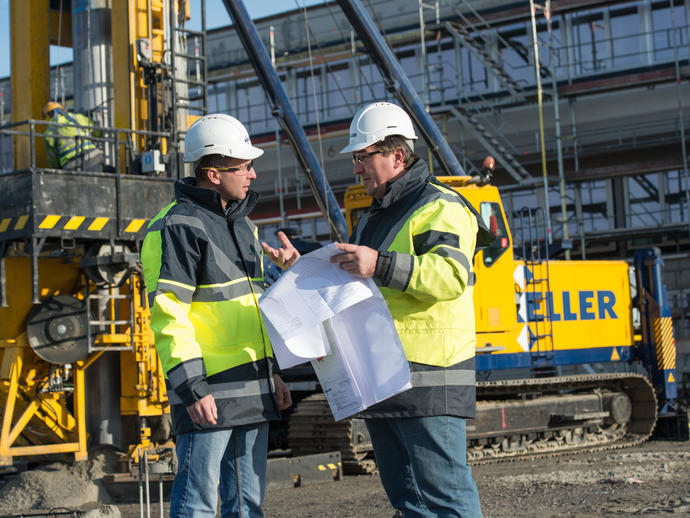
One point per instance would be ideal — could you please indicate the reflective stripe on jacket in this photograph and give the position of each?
(204, 274)
(64, 143)
(426, 234)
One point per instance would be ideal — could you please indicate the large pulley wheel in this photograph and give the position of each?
(106, 264)
(57, 329)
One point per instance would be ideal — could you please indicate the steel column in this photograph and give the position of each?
(30, 60)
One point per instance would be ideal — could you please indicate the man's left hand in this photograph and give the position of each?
(285, 256)
(282, 393)
(359, 260)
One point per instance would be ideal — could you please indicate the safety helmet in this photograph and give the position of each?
(218, 134)
(376, 121)
(50, 106)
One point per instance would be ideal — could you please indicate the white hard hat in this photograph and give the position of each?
(376, 121)
(218, 134)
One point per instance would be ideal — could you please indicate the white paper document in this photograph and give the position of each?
(318, 312)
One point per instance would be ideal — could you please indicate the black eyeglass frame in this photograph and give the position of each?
(359, 159)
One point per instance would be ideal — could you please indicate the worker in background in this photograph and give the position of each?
(417, 241)
(203, 271)
(66, 141)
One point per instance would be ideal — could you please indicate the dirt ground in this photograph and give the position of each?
(652, 480)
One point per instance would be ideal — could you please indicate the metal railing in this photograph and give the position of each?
(26, 136)
(646, 214)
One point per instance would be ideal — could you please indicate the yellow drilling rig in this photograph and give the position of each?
(77, 360)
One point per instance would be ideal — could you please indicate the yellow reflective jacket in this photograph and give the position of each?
(426, 235)
(64, 143)
(204, 274)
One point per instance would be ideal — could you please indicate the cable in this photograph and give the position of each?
(316, 104)
(313, 82)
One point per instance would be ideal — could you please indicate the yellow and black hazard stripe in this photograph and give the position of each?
(69, 223)
(330, 465)
(13, 224)
(665, 343)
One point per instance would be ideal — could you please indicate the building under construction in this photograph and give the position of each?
(583, 105)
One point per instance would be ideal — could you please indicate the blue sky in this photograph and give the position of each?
(216, 16)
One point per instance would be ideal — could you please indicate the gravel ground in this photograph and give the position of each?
(652, 480)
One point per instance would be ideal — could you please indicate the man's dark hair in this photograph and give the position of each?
(393, 142)
(208, 161)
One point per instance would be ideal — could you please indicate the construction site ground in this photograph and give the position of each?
(652, 480)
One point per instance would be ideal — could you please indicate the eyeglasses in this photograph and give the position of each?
(234, 170)
(361, 158)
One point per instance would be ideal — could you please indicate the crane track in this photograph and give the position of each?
(580, 436)
(313, 430)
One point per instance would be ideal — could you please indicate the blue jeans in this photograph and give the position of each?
(423, 466)
(232, 461)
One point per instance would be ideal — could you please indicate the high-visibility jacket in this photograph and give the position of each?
(65, 143)
(203, 272)
(426, 234)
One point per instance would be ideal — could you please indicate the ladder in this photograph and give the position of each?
(468, 31)
(189, 85)
(537, 296)
(106, 330)
(490, 138)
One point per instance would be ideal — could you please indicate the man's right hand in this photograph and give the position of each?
(203, 411)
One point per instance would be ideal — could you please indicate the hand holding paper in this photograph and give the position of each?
(318, 311)
(358, 260)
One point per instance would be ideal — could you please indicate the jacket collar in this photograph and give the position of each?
(414, 177)
(186, 188)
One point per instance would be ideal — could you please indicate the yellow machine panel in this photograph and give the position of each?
(590, 304)
(141, 374)
(56, 276)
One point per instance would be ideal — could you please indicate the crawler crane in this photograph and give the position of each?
(561, 363)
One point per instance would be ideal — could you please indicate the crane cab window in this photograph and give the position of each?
(493, 218)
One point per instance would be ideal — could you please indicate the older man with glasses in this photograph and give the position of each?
(203, 272)
(417, 241)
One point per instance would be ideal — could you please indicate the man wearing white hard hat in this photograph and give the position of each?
(202, 265)
(417, 241)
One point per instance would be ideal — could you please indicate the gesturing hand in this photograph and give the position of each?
(285, 256)
(359, 260)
